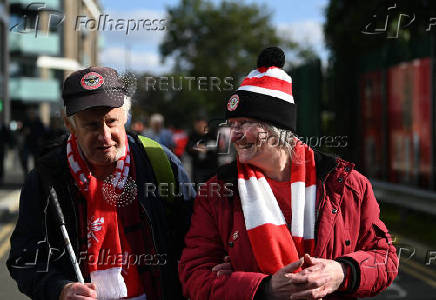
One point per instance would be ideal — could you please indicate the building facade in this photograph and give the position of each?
(4, 62)
(44, 48)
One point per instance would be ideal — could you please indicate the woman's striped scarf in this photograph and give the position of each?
(274, 246)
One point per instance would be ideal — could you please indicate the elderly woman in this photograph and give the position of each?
(298, 225)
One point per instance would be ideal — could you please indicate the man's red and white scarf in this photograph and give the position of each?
(274, 246)
(107, 244)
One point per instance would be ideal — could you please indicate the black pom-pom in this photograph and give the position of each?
(271, 56)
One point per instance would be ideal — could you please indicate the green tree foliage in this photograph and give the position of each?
(218, 39)
(210, 40)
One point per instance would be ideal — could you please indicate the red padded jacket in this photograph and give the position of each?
(348, 229)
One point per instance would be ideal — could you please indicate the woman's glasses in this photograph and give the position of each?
(241, 125)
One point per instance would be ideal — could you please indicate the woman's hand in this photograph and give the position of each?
(320, 278)
(79, 291)
(224, 268)
(281, 286)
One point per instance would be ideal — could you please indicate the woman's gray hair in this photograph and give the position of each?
(126, 107)
(283, 138)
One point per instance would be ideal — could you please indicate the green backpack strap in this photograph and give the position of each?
(161, 165)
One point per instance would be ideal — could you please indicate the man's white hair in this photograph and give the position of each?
(126, 107)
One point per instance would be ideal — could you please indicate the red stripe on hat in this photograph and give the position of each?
(264, 69)
(268, 82)
(275, 243)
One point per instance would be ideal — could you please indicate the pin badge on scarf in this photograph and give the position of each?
(116, 196)
(233, 103)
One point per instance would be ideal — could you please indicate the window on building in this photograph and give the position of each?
(3, 37)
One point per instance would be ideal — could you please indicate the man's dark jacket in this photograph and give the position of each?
(38, 261)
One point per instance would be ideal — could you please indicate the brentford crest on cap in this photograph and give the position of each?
(91, 81)
(233, 103)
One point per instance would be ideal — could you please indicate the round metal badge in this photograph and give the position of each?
(91, 81)
(233, 102)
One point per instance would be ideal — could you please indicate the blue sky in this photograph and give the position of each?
(139, 50)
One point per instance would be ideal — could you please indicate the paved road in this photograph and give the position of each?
(8, 287)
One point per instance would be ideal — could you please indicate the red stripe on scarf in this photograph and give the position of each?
(249, 171)
(283, 250)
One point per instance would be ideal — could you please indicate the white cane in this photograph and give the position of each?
(61, 221)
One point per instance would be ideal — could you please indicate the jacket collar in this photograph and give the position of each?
(324, 164)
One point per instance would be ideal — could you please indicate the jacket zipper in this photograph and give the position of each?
(151, 226)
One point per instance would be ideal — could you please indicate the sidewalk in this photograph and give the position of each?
(13, 171)
(9, 200)
(10, 189)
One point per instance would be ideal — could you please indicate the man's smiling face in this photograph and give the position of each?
(100, 134)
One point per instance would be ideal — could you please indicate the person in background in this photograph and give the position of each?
(298, 224)
(5, 140)
(138, 126)
(180, 139)
(201, 147)
(35, 131)
(20, 138)
(158, 133)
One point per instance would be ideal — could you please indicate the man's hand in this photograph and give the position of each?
(281, 286)
(320, 278)
(224, 268)
(79, 291)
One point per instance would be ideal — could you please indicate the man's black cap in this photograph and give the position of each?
(92, 87)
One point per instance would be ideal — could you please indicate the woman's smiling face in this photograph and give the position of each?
(250, 141)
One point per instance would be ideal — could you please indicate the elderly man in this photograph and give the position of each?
(125, 229)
